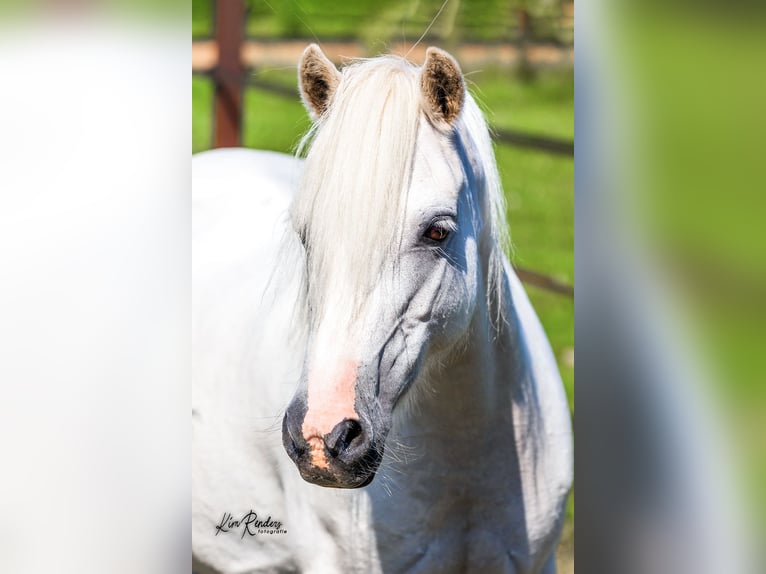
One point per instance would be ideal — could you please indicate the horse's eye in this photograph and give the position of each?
(437, 232)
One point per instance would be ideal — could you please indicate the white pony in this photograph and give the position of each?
(373, 317)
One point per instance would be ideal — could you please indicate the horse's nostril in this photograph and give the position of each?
(293, 446)
(341, 437)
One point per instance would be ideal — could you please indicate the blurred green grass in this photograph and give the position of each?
(478, 20)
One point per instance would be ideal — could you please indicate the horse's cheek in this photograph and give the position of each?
(453, 309)
(466, 305)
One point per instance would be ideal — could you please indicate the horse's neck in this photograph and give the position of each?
(490, 434)
(464, 412)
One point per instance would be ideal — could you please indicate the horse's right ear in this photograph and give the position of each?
(318, 79)
(441, 82)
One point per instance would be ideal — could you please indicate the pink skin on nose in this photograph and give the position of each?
(331, 397)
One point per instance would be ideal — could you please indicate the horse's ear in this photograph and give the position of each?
(441, 82)
(318, 78)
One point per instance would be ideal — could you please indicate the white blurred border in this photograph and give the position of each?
(95, 138)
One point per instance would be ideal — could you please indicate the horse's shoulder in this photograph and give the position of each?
(242, 179)
(240, 201)
(244, 162)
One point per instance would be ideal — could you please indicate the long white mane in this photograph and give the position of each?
(350, 206)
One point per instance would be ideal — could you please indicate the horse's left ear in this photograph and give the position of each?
(441, 82)
(318, 78)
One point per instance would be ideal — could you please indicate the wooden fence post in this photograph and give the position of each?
(229, 22)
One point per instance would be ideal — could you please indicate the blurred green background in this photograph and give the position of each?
(523, 95)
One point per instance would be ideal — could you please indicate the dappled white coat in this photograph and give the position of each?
(417, 515)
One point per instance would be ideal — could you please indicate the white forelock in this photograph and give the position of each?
(351, 204)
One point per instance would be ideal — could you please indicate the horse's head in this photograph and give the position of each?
(391, 216)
